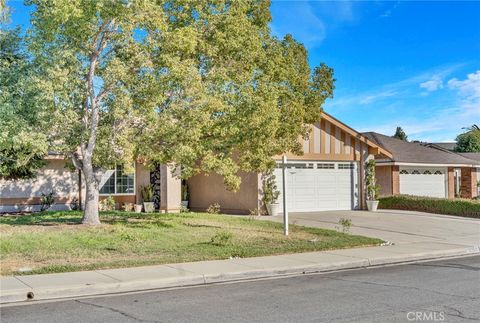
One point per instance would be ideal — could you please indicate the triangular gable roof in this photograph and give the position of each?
(375, 148)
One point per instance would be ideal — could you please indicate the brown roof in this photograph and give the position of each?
(415, 152)
(445, 145)
(474, 156)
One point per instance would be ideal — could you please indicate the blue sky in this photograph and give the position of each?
(407, 63)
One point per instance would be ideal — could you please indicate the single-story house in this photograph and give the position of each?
(69, 189)
(425, 169)
(328, 176)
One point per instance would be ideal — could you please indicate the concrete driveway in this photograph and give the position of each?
(399, 227)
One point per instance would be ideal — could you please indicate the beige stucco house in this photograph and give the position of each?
(328, 176)
(69, 190)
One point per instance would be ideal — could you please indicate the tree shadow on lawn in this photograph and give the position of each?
(53, 218)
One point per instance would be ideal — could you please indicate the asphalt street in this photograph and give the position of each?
(441, 291)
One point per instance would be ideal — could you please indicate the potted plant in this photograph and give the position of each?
(147, 195)
(373, 189)
(138, 208)
(185, 195)
(270, 194)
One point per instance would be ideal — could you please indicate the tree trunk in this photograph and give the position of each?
(90, 214)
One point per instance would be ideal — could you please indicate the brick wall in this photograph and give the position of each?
(468, 182)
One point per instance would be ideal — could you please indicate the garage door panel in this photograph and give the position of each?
(315, 189)
(422, 181)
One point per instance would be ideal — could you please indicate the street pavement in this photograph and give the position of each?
(440, 291)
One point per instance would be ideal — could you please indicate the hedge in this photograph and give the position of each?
(459, 207)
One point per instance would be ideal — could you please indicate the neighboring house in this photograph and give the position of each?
(424, 169)
(69, 189)
(328, 176)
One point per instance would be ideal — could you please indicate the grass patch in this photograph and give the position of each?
(51, 242)
(459, 207)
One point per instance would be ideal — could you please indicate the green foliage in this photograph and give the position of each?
(185, 192)
(23, 144)
(214, 208)
(240, 95)
(269, 188)
(128, 207)
(346, 224)
(107, 204)
(46, 201)
(221, 238)
(400, 134)
(373, 189)
(460, 207)
(469, 141)
(75, 204)
(204, 84)
(147, 193)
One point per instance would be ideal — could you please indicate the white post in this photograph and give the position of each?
(284, 181)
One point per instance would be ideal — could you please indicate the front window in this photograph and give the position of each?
(116, 181)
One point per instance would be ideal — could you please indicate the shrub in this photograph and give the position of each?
(46, 201)
(214, 208)
(346, 224)
(221, 238)
(270, 190)
(459, 207)
(107, 204)
(147, 193)
(75, 204)
(128, 207)
(185, 192)
(373, 189)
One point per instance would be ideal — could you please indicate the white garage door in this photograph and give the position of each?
(423, 181)
(320, 186)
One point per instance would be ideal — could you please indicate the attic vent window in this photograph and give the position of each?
(403, 171)
(427, 172)
(416, 172)
(438, 173)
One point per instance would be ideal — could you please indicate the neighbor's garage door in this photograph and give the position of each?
(320, 186)
(423, 181)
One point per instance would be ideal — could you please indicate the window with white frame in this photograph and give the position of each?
(116, 181)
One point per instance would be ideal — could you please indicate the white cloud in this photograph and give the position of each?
(399, 88)
(435, 83)
(468, 88)
(377, 96)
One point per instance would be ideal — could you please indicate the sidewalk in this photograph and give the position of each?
(110, 281)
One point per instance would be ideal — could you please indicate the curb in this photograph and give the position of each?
(42, 294)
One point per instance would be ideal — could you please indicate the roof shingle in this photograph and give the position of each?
(414, 152)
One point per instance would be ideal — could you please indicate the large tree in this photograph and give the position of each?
(23, 143)
(201, 84)
(469, 141)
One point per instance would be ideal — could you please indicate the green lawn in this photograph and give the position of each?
(57, 242)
